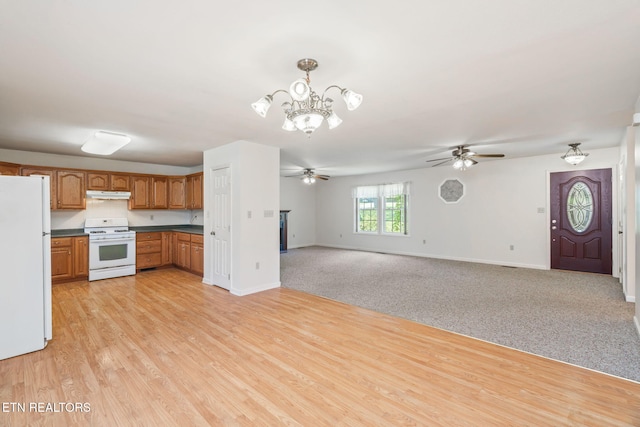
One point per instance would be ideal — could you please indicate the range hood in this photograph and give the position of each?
(108, 195)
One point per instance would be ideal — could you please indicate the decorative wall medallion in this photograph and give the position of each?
(451, 191)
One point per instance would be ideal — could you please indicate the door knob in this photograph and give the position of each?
(213, 233)
(554, 227)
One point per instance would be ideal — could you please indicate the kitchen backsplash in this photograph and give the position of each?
(118, 209)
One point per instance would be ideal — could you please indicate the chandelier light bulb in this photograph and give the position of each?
(288, 125)
(352, 99)
(262, 105)
(299, 90)
(333, 120)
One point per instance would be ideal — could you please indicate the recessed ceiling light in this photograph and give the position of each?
(105, 143)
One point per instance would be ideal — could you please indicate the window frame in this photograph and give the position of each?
(380, 201)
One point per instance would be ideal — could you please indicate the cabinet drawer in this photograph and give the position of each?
(150, 246)
(58, 242)
(184, 237)
(148, 236)
(197, 238)
(149, 260)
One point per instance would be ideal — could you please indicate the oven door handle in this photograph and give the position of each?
(124, 239)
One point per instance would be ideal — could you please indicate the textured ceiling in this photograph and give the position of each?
(522, 78)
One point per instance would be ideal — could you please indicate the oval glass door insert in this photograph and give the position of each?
(579, 207)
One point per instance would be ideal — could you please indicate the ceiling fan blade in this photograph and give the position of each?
(294, 176)
(442, 163)
(487, 155)
(437, 160)
(324, 177)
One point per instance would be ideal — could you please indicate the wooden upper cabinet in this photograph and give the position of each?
(9, 168)
(98, 181)
(159, 192)
(120, 182)
(194, 191)
(177, 192)
(51, 173)
(71, 189)
(105, 181)
(140, 192)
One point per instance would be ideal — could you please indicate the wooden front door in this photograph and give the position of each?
(581, 220)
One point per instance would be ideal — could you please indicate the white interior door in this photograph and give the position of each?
(221, 228)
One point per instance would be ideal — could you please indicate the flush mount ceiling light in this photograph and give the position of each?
(105, 143)
(574, 155)
(307, 110)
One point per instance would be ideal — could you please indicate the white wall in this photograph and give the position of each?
(108, 208)
(256, 239)
(505, 203)
(300, 199)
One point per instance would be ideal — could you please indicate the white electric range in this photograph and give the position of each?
(112, 248)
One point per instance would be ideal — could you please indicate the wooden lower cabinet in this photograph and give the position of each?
(197, 254)
(69, 259)
(188, 252)
(182, 253)
(159, 249)
(81, 257)
(148, 250)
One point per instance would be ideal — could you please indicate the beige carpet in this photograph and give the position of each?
(579, 318)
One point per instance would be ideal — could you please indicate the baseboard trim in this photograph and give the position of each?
(265, 287)
(423, 255)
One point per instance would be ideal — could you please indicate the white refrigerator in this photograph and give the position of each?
(25, 265)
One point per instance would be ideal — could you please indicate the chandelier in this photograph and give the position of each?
(306, 111)
(574, 155)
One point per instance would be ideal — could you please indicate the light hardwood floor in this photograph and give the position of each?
(160, 348)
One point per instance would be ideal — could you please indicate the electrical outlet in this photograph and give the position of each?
(257, 266)
(511, 247)
(151, 217)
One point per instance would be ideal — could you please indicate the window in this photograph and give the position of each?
(381, 209)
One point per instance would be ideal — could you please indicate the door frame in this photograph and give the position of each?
(615, 210)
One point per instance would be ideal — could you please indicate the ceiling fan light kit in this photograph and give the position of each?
(574, 155)
(306, 111)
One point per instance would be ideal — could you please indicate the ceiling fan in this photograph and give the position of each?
(463, 157)
(309, 176)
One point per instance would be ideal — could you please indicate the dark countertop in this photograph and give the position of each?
(185, 228)
(69, 232)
